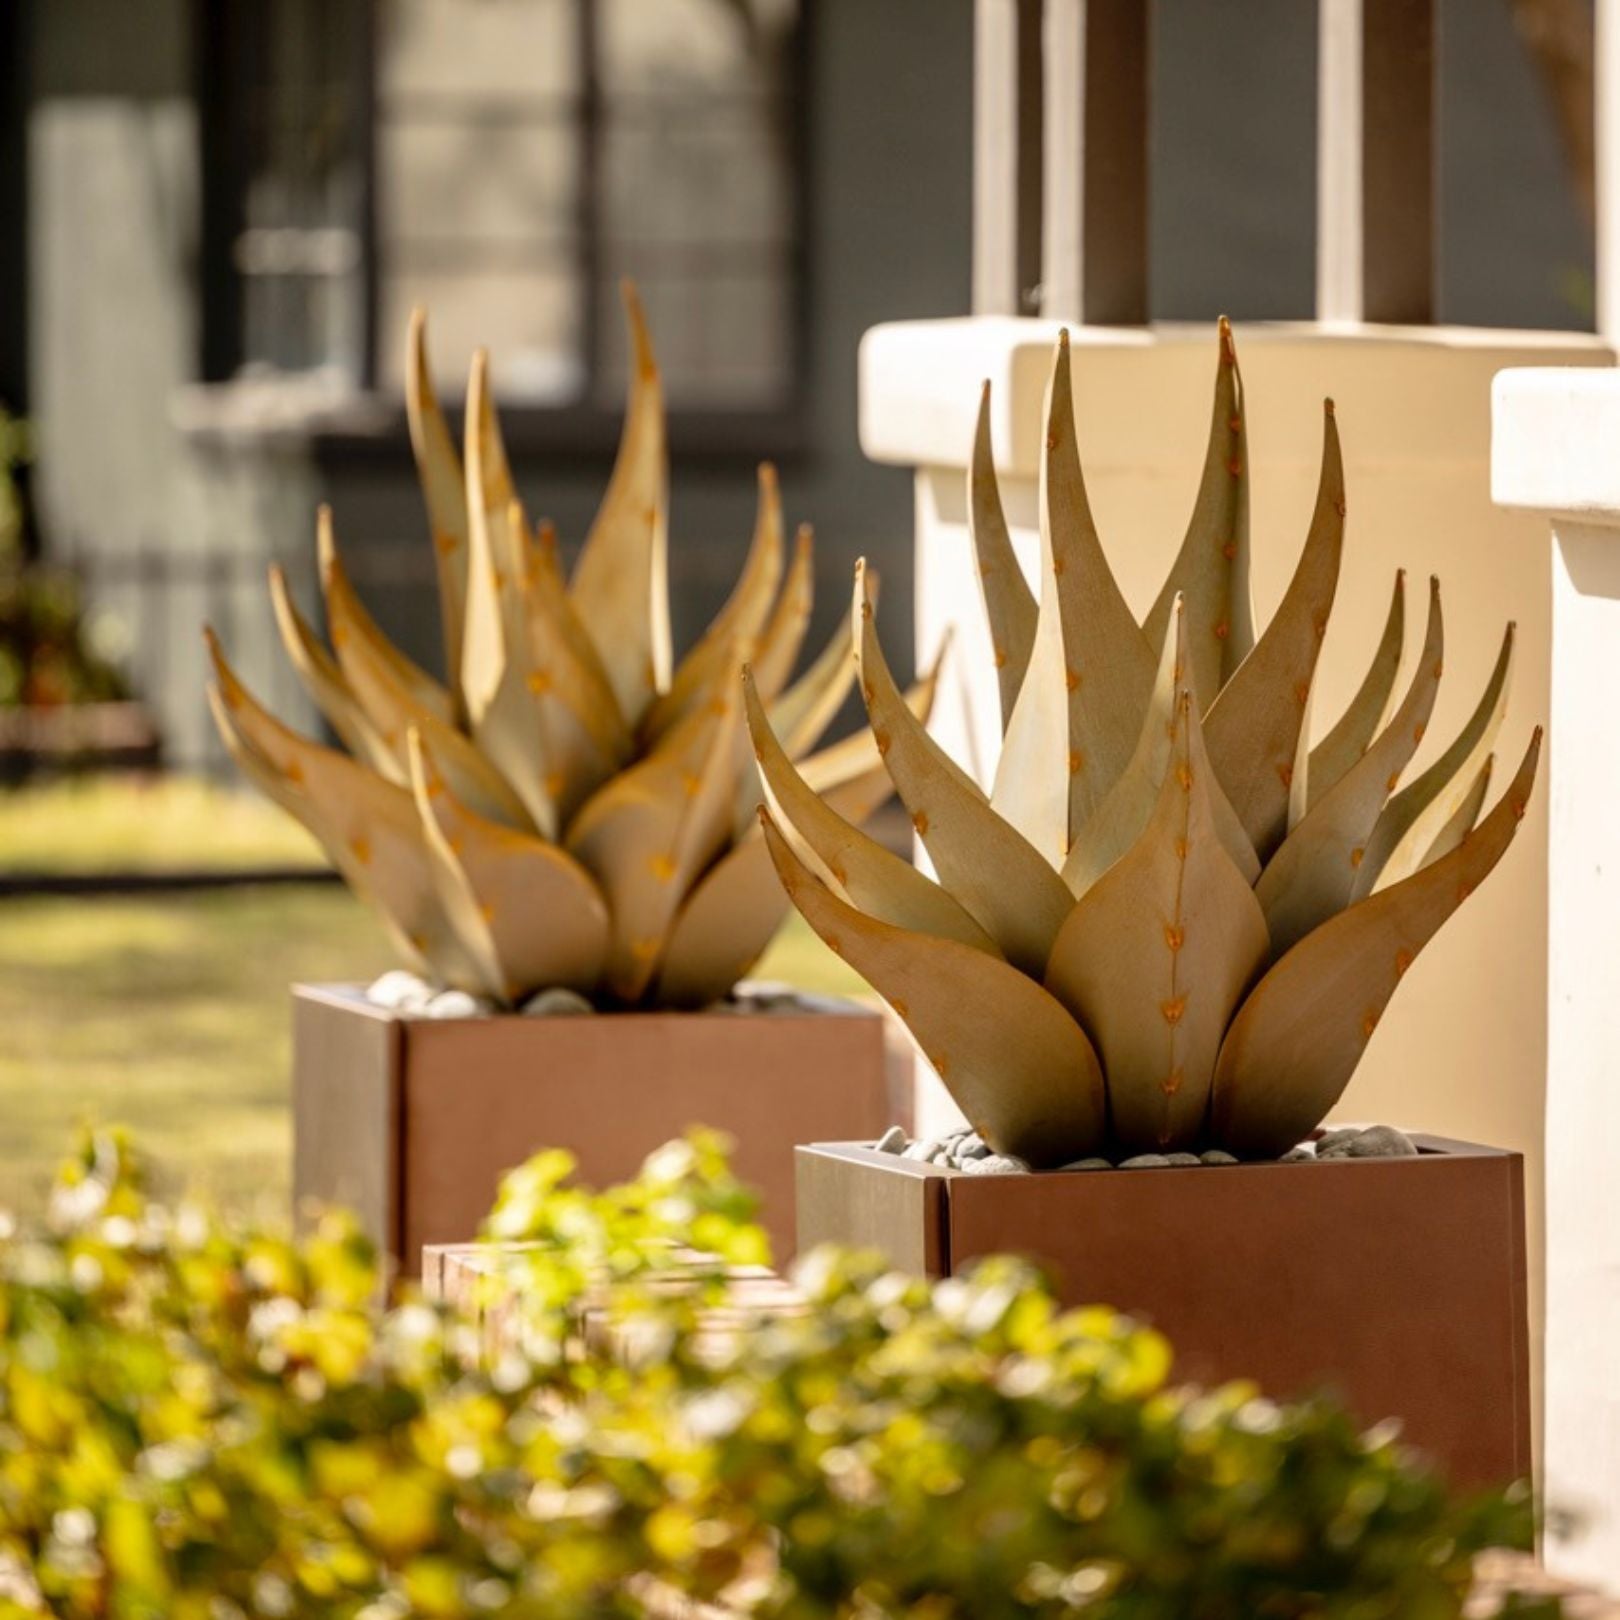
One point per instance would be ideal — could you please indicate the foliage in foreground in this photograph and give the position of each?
(203, 1420)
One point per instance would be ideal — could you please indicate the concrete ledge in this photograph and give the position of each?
(1555, 441)
(920, 380)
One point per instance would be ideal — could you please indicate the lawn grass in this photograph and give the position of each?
(145, 823)
(170, 1012)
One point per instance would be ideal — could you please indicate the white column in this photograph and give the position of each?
(1555, 442)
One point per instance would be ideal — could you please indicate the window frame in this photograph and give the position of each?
(584, 426)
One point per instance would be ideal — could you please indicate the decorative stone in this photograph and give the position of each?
(456, 1004)
(1381, 1142)
(995, 1164)
(1145, 1161)
(399, 989)
(1217, 1156)
(1332, 1141)
(973, 1146)
(892, 1140)
(1181, 1159)
(1336, 1146)
(1299, 1155)
(917, 1150)
(1090, 1164)
(755, 996)
(556, 1003)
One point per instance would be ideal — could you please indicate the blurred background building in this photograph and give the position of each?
(219, 213)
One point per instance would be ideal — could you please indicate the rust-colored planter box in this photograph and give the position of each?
(413, 1121)
(1398, 1283)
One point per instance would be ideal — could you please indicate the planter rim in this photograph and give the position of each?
(351, 997)
(1430, 1149)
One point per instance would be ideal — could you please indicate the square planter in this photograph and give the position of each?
(1398, 1283)
(412, 1121)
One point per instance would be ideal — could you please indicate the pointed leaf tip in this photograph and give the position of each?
(1255, 726)
(1297, 1039)
(999, 878)
(1009, 604)
(1038, 1094)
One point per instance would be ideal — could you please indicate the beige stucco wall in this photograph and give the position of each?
(1462, 1048)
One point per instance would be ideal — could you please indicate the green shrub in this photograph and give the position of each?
(204, 1421)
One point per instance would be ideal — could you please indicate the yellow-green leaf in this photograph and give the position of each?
(1366, 712)
(805, 710)
(325, 683)
(1211, 571)
(1467, 813)
(495, 670)
(368, 827)
(1119, 820)
(1313, 874)
(871, 877)
(1000, 878)
(1298, 1038)
(1158, 952)
(784, 631)
(1018, 1066)
(1079, 711)
(582, 738)
(438, 470)
(649, 832)
(391, 707)
(1009, 604)
(724, 928)
(741, 618)
(621, 582)
(1412, 820)
(1254, 726)
(529, 914)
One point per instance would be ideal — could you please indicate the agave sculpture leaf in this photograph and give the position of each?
(572, 808)
(1174, 923)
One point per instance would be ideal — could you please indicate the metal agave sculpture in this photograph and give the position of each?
(573, 809)
(1172, 923)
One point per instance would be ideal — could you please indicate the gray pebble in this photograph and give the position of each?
(1145, 1161)
(556, 1003)
(1217, 1156)
(1299, 1155)
(1381, 1142)
(995, 1164)
(1089, 1164)
(1181, 1158)
(917, 1150)
(973, 1147)
(456, 1004)
(1336, 1138)
(892, 1140)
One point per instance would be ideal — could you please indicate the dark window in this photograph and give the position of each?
(505, 162)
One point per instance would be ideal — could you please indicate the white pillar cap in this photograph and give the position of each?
(1555, 441)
